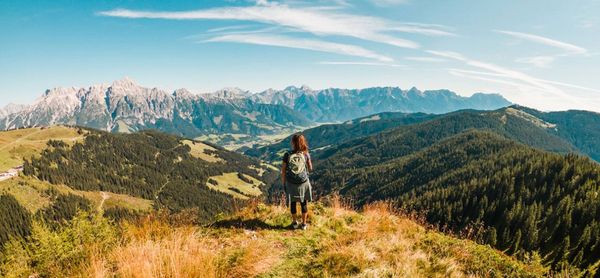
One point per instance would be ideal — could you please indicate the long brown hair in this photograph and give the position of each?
(299, 143)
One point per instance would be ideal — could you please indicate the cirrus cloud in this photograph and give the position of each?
(318, 21)
(568, 49)
(309, 44)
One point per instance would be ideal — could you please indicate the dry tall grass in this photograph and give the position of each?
(256, 242)
(153, 248)
(182, 253)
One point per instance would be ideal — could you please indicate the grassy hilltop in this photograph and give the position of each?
(255, 242)
(24, 143)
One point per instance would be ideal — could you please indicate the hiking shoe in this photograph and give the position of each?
(295, 225)
(304, 226)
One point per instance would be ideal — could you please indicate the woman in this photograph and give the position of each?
(294, 174)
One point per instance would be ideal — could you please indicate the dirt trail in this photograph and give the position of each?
(105, 197)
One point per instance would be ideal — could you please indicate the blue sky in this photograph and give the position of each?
(539, 53)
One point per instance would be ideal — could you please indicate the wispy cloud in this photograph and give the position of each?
(567, 49)
(310, 44)
(312, 20)
(427, 31)
(481, 76)
(229, 28)
(363, 64)
(587, 23)
(537, 61)
(425, 59)
(384, 3)
(524, 82)
(569, 85)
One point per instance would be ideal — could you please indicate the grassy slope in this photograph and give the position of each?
(257, 243)
(23, 143)
(30, 193)
(198, 151)
(231, 180)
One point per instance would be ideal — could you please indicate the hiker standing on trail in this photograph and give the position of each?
(294, 174)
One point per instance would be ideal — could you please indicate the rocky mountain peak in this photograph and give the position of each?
(183, 94)
(60, 91)
(305, 88)
(228, 93)
(124, 83)
(11, 108)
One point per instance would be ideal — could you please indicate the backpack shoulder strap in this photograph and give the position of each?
(286, 157)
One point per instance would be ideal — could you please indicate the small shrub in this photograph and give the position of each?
(61, 251)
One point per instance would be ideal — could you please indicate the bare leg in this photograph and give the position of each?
(304, 211)
(293, 211)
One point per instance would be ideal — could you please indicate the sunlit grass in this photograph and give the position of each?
(257, 242)
(227, 181)
(24, 143)
(30, 193)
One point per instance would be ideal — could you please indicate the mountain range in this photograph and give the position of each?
(333, 105)
(125, 106)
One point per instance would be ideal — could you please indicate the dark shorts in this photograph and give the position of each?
(303, 207)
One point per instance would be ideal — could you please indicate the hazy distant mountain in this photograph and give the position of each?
(126, 106)
(331, 105)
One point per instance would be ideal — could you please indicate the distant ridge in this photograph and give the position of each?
(125, 106)
(331, 105)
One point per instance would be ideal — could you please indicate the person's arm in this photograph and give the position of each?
(283, 168)
(309, 163)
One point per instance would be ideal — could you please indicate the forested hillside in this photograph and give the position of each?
(524, 200)
(123, 175)
(581, 128)
(150, 165)
(474, 169)
(402, 140)
(561, 132)
(324, 136)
